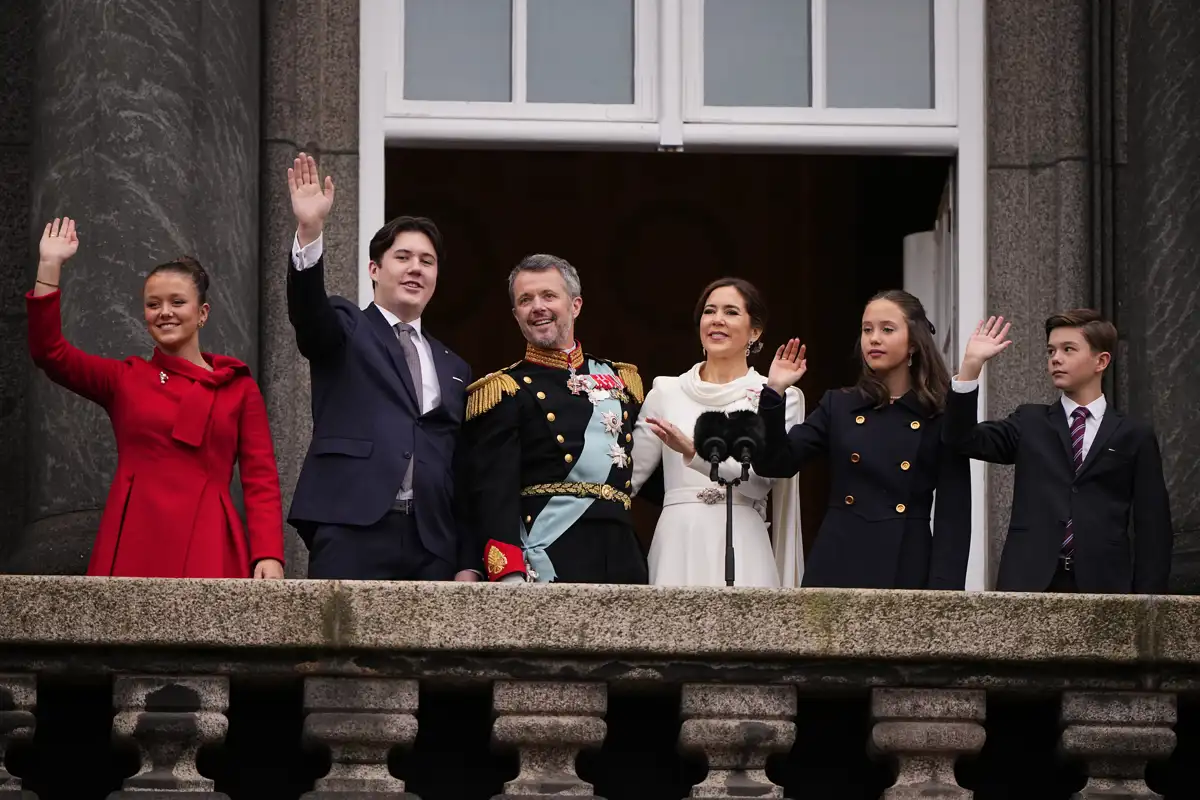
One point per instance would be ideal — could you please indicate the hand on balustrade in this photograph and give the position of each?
(268, 569)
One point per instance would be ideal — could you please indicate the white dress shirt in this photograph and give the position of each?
(1091, 424)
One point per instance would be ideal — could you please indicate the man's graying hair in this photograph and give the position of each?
(540, 263)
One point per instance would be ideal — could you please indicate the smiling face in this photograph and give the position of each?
(406, 275)
(172, 308)
(884, 338)
(725, 325)
(1072, 362)
(544, 309)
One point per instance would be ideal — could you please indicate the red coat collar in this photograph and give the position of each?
(196, 402)
(224, 368)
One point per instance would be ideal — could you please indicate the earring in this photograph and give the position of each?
(910, 359)
(749, 347)
(704, 350)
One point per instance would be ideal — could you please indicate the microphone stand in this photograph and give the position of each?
(729, 485)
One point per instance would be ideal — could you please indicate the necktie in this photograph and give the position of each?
(404, 333)
(1078, 425)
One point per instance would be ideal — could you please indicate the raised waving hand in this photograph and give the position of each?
(59, 242)
(989, 340)
(311, 200)
(788, 366)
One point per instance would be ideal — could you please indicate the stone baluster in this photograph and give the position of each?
(926, 730)
(736, 728)
(360, 720)
(169, 719)
(18, 697)
(1116, 734)
(548, 724)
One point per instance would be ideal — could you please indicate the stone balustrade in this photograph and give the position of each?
(921, 672)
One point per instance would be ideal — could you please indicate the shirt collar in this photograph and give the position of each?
(1096, 408)
(393, 320)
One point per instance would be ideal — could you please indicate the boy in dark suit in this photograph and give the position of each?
(1084, 470)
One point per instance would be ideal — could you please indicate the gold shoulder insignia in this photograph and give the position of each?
(633, 380)
(486, 393)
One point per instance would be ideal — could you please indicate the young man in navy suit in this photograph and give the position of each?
(1084, 470)
(375, 498)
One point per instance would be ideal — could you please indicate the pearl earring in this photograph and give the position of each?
(910, 359)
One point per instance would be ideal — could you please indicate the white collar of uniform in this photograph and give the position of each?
(1096, 408)
(393, 320)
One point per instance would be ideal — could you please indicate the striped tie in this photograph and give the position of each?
(1078, 424)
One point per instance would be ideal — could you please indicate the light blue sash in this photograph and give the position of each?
(592, 466)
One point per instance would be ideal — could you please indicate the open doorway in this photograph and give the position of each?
(818, 234)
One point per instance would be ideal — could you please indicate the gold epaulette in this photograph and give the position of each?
(633, 380)
(486, 393)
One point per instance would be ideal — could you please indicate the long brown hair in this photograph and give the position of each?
(930, 378)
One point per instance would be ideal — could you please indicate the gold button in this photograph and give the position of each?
(528, 520)
(900, 508)
(527, 379)
(905, 465)
(629, 437)
(855, 458)
(914, 425)
(561, 440)
(627, 484)
(568, 458)
(860, 419)
(541, 395)
(849, 499)
(550, 417)
(626, 415)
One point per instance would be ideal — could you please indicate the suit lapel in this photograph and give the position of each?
(442, 365)
(1108, 426)
(387, 337)
(1057, 417)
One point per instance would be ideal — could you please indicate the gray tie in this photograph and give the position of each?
(404, 333)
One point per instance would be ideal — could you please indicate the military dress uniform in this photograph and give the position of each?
(549, 469)
(885, 464)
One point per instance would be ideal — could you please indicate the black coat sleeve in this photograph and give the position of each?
(951, 521)
(493, 474)
(320, 329)
(785, 451)
(995, 442)
(1153, 538)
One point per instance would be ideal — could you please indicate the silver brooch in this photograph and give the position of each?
(162, 377)
(710, 495)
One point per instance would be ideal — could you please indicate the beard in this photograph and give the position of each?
(548, 336)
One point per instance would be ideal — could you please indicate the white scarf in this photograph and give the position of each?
(785, 492)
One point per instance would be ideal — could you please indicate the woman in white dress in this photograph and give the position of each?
(689, 541)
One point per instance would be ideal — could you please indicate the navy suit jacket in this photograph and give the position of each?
(367, 423)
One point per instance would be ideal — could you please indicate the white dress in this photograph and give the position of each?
(689, 541)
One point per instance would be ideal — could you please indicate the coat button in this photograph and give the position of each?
(527, 379)
(626, 415)
(849, 499)
(860, 419)
(560, 438)
(629, 437)
(408, 455)
(528, 519)
(550, 417)
(541, 395)
(568, 458)
(914, 425)
(855, 458)
(900, 508)
(905, 465)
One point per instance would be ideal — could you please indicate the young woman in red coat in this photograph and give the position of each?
(182, 419)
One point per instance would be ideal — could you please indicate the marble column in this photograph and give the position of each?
(548, 724)
(18, 697)
(311, 104)
(736, 728)
(360, 720)
(169, 719)
(1115, 734)
(926, 730)
(146, 128)
(1158, 285)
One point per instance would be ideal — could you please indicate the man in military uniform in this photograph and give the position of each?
(548, 460)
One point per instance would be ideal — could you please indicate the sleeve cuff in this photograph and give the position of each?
(963, 387)
(769, 398)
(305, 257)
(504, 560)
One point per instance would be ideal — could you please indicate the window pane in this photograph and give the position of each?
(580, 51)
(880, 53)
(756, 53)
(458, 50)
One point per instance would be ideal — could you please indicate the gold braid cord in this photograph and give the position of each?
(486, 393)
(633, 380)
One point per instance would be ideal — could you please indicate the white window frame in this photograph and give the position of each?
(645, 77)
(945, 88)
(965, 137)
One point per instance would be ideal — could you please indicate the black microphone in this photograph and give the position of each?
(710, 439)
(747, 435)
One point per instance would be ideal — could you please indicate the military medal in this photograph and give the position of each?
(619, 457)
(598, 388)
(612, 425)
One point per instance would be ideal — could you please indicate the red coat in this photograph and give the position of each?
(179, 431)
